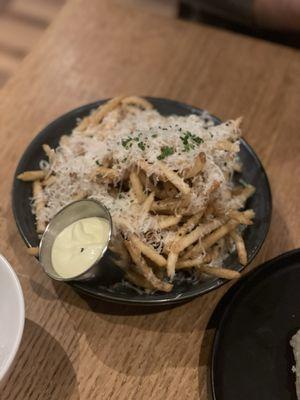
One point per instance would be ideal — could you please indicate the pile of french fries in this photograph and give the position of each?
(192, 239)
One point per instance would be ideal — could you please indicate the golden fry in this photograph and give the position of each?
(197, 167)
(228, 146)
(137, 187)
(166, 221)
(168, 206)
(219, 272)
(148, 251)
(48, 181)
(49, 152)
(97, 116)
(138, 102)
(194, 235)
(219, 233)
(30, 176)
(171, 263)
(39, 205)
(138, 280)
(144, 269)
(33, 251)
(193, 262)
(147, 204)
(247, 192)
(240, 247)
(243, 217)
(173, 178)
(105, 173)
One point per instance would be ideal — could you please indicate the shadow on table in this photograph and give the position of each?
(42, 369)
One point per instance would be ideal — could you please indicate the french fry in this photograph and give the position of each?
(240, 247)
(219, 233)
(247, 192)
(147, 204)
(243, 217)
(193, 236)
(148, 251)
(39, 205)
(166, 221)
(64, 140)
(105, 173)
(137, 187)
(193, 262)
(138, 102)
(237, 166)
(33, 251)
(30, 176)
(97, 116)
(138, 280)
(168, 206)
(227, 146)
(198, 248)
(144, 269)
(50, 153)
(171, 263)
(224, 273)
(48, 181)
(197, 167)
(173, 178)
(237, 123)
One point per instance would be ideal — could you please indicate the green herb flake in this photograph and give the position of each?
(188, 141)
(166, 151)
(127, 143)
(154, 135)
(141, 145)
(98, 163)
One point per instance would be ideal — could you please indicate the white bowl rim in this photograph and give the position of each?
(8, 362)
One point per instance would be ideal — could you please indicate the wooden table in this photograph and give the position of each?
(74, 349)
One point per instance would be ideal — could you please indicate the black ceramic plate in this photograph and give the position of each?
(252, 358)
(254, 236)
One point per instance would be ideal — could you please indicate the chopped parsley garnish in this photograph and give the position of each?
(98, 163)
(154, 135)
(141, 145)
(127, 143)
(166, 151)
(189, 140)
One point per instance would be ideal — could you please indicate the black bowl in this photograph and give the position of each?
(109, 286)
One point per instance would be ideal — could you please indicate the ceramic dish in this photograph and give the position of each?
(12, 317)
(106, 288)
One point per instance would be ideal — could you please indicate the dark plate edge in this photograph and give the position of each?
(226, 303)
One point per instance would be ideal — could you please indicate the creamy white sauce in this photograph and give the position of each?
(78, 246)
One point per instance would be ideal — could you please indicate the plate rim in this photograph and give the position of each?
(227, 301)
(214, 283)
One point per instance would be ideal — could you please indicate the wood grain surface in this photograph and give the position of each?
(78, 349)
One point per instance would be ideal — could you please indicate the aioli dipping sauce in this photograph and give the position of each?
(77, 247)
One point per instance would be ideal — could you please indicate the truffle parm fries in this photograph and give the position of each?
(167, 182)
